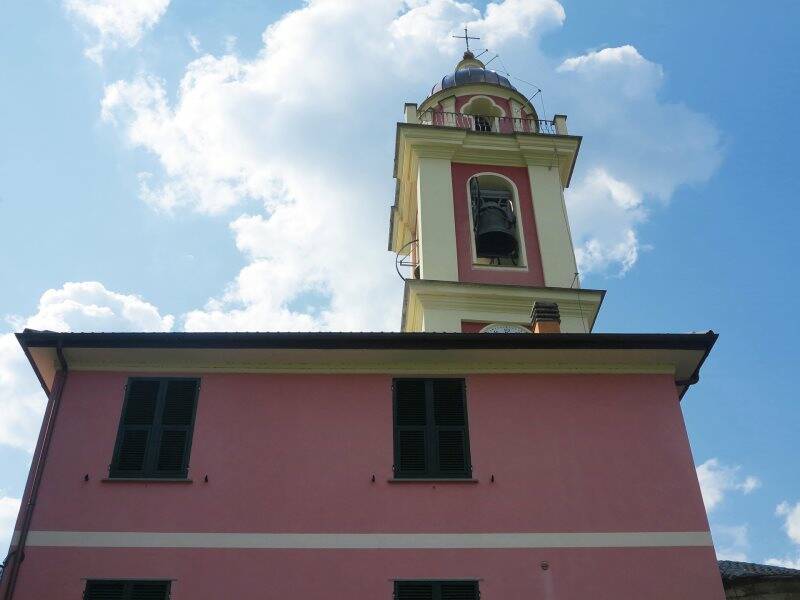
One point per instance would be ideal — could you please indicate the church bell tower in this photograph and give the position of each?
(479, 215)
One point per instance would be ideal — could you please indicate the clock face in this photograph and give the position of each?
(504, 328)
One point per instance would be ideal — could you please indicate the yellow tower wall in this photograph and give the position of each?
(436, 233)
(552, 227)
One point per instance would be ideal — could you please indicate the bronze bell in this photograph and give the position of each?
(495, 223)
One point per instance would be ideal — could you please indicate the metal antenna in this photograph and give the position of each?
(466, 37)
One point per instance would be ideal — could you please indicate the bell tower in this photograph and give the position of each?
(479, 213)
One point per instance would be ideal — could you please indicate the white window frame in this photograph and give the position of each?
(523, 255)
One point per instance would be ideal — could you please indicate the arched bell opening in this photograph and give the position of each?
(484, 112)
(496, 227)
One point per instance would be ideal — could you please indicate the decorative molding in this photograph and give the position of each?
(421, 367)
(367, 541)
(482, 88)
(495, 302)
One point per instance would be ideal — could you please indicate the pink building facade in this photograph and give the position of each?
(486, 450)
(580, 484)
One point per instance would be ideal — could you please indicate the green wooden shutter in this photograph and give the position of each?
(175, 427)
(431, 434)
(155, 432)
(413, 590)
(436, 590)
(104, 590)
(136, 428)
(450, 428)
(459, 590)
(149, 590)
(411, 428)
(126, 590)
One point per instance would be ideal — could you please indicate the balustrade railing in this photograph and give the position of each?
(487, 123)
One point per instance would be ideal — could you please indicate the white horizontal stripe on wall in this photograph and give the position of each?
(367, 541)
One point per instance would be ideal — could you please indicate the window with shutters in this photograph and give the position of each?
(436, 590)
(431, 436)
(106, 589)
(155, 431)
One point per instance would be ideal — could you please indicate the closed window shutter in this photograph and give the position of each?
(155, 431)
(431, 436)
(126, 590)
(411, 424)
(412, 590)
(176, 426)
(436, 590)
(466, 590)
(104, 590)
(149, 590)
(450, 419)
(136, 429)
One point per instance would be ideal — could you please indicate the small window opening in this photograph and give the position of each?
(482, 123)
(484, 113)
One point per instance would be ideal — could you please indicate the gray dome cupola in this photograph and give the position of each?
(471, 70)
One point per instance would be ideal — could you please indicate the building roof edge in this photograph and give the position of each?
(369, 340)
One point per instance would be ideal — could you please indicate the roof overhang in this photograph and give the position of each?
(680, 355)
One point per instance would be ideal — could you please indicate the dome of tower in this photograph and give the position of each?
(471, 70)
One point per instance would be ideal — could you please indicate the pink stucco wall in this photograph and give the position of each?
(506, 123)
(610, 574)
(498, 100)
(295, 453)
(467, 271)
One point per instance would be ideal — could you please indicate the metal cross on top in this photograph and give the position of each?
(466, 37)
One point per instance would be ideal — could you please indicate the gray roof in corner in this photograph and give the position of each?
(733, 570)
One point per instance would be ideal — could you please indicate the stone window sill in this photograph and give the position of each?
(432, 480)
(145, 480)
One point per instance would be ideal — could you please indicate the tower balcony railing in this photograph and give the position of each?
(488, 123)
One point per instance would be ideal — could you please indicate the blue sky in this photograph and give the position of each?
(173, 166)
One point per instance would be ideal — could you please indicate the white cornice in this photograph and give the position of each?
(428, 367)
(505, 149)
(493, 302)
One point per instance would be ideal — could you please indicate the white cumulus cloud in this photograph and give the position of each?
(786, 561)
(510, 19)
(115, 22)
(604, 212)
(21, 397)
(194, 42)
(89, 306)
(9, 508)
(638, 149)
(731, 542)
(717, 480)
(437, 21)
(791, 525)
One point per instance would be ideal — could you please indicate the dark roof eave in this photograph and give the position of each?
(375, 341)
